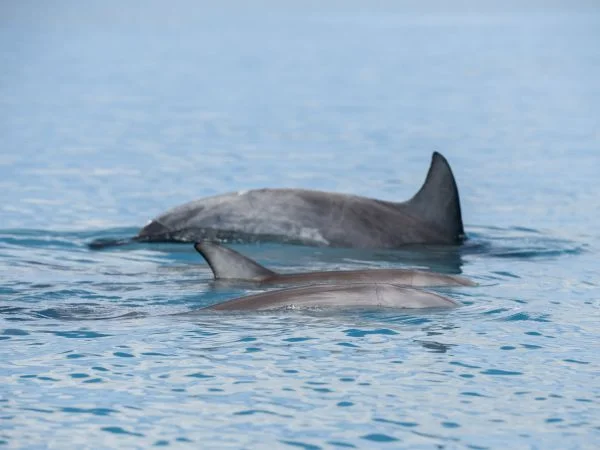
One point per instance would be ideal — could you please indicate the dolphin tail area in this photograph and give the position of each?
(99, 244)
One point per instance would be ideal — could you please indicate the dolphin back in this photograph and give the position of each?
(368, 295)
(308, 217)
(227, 264)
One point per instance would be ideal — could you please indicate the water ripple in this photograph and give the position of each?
(107, 120)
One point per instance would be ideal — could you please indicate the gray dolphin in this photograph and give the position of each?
(307, 217)
(227, 264)
(361, 295)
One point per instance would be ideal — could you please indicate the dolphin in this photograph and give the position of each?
(361, 295)
(227, 264)
(316, 218)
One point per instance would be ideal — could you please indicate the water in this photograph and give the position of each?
(111, 114)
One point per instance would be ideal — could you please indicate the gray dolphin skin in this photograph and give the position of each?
(432, 216)
(227, 264)
(362, 295)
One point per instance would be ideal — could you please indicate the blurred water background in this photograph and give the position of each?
(112, 112)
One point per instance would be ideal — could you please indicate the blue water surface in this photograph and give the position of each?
(112, 112)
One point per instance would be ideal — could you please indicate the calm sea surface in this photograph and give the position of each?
(110, 114)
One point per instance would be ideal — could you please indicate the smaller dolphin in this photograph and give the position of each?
(362, 295)
(227, 264)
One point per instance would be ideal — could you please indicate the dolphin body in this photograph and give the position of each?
(307, 217)
(227, 264)
(362, 295)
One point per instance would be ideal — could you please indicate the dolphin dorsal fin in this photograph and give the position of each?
(437, 202)
(227, 264)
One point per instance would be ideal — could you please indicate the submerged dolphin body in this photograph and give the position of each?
(432, 216)
(227, 264)
(362, 295)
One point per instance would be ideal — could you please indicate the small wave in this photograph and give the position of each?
(89, 311)
(518, 243)
(61, 239)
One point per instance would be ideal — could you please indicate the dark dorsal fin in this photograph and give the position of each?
(228, 264)
(437, 202)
